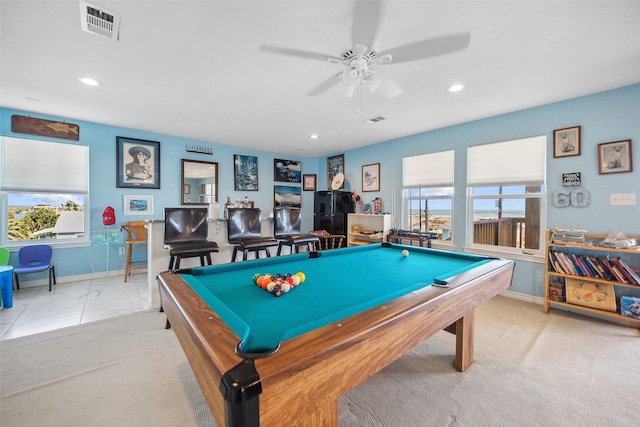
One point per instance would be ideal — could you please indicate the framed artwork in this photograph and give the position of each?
(286, 196)
(245, 173)
(371, 177)
(566, 142)
(187, 189)
(309, 182)
(335, 165)
(615, 157)
(138, 205)
(287, 170)
(137, 163)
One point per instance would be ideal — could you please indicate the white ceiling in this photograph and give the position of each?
(193, 68)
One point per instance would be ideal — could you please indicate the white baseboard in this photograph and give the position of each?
(523, 297)
(69, 279)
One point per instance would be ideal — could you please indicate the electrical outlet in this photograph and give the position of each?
(121, 250)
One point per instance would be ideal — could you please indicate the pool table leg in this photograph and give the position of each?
(464, 341)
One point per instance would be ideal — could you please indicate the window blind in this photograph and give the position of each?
(33, 165)
(428, 170)
(520, 161)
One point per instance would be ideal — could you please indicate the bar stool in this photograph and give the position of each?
(244, 233)
(185, 233)
(286, 226)
(136, 241)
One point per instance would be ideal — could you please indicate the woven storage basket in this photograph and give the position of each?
(591, 294)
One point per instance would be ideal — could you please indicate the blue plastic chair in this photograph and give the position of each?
(32, 259)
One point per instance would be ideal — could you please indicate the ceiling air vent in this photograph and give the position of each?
(375, 119)
(98, 21)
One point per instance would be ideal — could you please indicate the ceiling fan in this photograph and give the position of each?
(362, 57)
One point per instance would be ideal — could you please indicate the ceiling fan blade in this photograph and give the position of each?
(325, 85)
(366, 17)
(428, 48)
(384, 85)
(299, 53)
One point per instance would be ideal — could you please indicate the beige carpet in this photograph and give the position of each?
(530, 369)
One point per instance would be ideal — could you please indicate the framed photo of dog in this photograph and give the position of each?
(615, 157)
(566, 142)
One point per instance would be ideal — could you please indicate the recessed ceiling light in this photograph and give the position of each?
(455, 88)
(314, 136)
(89, 81)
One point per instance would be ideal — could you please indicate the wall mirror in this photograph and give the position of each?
(199, 182)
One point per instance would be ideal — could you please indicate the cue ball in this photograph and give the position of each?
(405, 252)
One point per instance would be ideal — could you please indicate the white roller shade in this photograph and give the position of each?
(428, 170)
(520, 161)
(33, 165)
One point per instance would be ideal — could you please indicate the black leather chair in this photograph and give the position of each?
(185, 233)
(286, 228)
(244, 232)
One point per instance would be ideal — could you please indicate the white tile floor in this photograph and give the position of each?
(36, 310)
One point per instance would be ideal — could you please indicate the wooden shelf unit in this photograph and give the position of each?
(597, 251)
(375, 222)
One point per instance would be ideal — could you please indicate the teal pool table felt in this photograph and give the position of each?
(339, 283)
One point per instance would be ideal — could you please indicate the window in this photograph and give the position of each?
(507, 194)
(427, 194)
(44, 190)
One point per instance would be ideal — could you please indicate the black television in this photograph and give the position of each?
(185, 225)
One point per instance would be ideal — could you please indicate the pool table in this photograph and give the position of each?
(266, 360)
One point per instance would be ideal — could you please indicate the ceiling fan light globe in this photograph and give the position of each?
(373, 82)
(346, 89)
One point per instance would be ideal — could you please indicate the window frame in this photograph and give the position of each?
(449, 195)
(6, 190)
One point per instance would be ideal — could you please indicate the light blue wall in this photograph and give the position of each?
(604, 117)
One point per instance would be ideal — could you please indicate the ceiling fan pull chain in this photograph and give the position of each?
(359, 110)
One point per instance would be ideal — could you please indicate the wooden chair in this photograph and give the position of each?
(328, 241)
(136, 241)
(286, 228)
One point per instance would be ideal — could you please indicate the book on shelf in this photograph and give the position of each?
(568, 237)
(626, 271)
(614, 269)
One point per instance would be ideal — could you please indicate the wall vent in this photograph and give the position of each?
(375, 119)
(98, 21)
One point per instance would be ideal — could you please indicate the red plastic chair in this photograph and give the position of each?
(33, 259)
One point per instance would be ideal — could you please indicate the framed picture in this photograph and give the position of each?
(335, 165)
(245, 173)
(371, 177)
(137, 163)
(615, 157)
(138, 205)
(566, 142)
(309, 182)
(286, 196)
(187, 189)
(287, 170)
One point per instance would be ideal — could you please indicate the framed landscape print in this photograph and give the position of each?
(286, 196)
(615, 157)
(371, 177)
(138, 205)
(137, 163)
(245, 173)
(287, 170)
(566, 142)
(335, 165)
